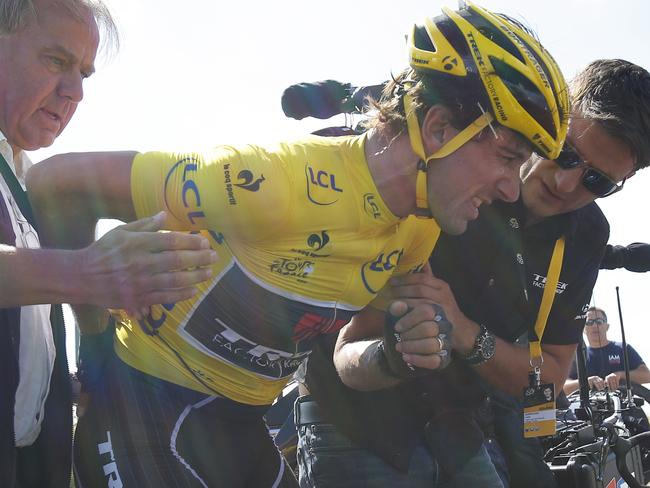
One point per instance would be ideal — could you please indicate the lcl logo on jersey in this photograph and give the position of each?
(322, 188)
(539, 281)
(190, 194)
(370, 206)
(375, 273)
(247, 180)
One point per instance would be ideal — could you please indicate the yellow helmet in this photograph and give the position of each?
(517, 82)
(521, 81)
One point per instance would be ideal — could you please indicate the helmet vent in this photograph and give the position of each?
(422, 40)
(526, 94)
(491, 32)
(544, 68)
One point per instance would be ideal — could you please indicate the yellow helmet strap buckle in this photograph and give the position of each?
(421, 187)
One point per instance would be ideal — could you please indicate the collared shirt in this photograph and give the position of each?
(36, 350)
(497, 271)
(483, 269)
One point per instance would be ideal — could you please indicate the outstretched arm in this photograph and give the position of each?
(131, 267)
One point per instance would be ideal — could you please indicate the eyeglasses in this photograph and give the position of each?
(595, 322)
(593, 179)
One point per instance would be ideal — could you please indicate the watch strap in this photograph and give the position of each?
(477, 355)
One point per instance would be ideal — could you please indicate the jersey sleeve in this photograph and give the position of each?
(425, 234)
(243, 193)
(416, 254)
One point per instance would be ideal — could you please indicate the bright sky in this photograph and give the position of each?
(199, 72)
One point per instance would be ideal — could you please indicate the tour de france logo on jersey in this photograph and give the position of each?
(318, 246)
(190, 195)
(297, 268)
(322, 187)
(375, 273)
(370, 205)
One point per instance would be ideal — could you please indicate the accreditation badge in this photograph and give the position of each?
(539, 410)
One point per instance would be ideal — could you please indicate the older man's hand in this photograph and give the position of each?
(135, 266)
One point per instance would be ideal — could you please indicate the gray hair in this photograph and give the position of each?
(15, 14)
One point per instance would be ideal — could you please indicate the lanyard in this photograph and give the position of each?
(17, 191)
(552, 279)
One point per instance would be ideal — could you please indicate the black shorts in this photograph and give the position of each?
(140, 431)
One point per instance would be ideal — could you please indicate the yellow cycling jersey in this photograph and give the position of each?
(304, 242)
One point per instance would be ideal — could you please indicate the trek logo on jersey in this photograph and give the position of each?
(370, 207)
(539, 281)
(190, 194)
(110, 469)
(293, 267)
(322, 188)
(247, 180)
(316, 242)
(375, 273)
(226, 343)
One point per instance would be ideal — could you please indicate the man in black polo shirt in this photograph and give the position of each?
(497, 271)
(605, 365)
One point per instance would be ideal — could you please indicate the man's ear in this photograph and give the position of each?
(436, 128)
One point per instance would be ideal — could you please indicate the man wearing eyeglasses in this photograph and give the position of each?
(480, 285)
(605, 365)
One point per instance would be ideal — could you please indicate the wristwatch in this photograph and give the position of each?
(484, 347)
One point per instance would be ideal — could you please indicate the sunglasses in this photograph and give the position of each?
(593, 179)
(595, 322)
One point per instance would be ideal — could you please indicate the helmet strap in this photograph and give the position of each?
(413, 126)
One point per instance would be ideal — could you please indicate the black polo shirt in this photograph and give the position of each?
(497, 271)
(499, 260)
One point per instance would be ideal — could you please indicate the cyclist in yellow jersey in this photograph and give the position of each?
(286, 222)
(308, 233)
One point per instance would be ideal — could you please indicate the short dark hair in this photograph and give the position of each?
(596, 309)
(616, 94)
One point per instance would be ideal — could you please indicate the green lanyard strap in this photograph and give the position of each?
(17, 191)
